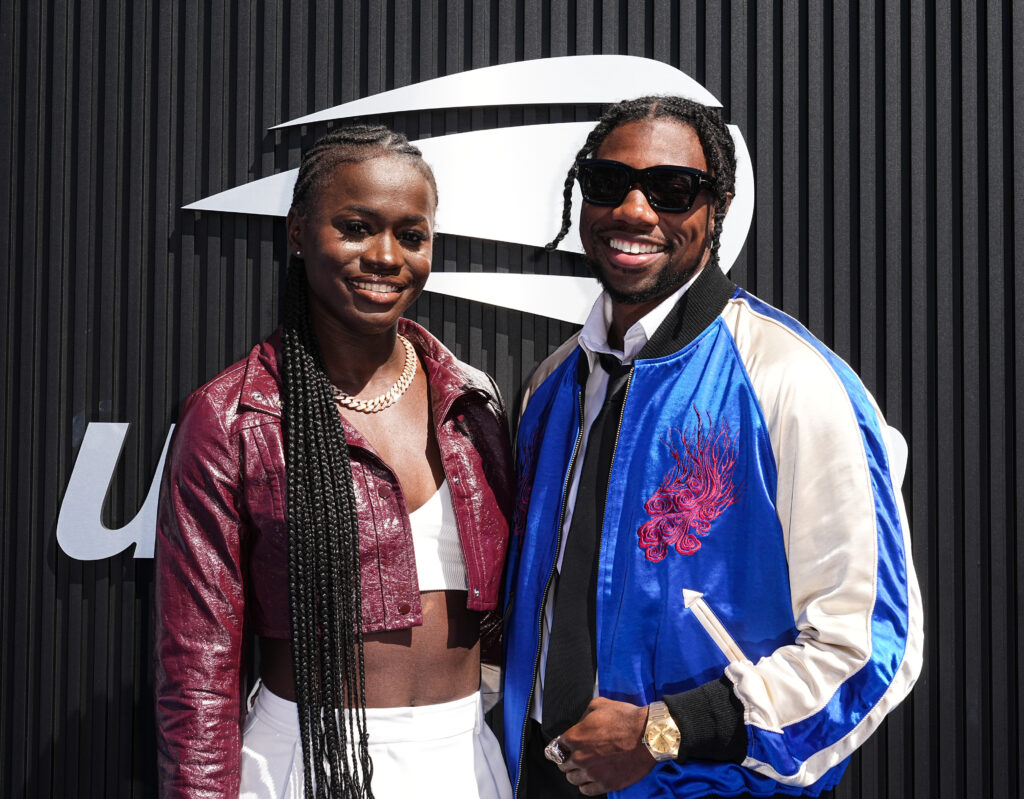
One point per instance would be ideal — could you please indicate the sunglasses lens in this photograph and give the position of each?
(671, 190)
(667, 188)
(603, 184)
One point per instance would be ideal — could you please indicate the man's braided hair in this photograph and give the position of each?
(715, 141)
(323, 531)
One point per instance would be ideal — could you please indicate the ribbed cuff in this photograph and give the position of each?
(710, 717)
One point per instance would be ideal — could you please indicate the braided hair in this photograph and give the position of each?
(715, 141)
(323, 533)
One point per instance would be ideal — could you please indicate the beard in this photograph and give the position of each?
(666, 282)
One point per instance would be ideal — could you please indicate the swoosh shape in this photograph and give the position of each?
(566, 298)
(591, 79)
(505, 184)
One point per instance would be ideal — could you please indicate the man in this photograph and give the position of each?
(710, 590)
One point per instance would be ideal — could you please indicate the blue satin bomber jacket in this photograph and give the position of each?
(754, 527)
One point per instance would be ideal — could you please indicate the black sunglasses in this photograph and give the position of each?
(667, 188)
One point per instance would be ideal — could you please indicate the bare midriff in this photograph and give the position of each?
(438, 661)
(425, 665)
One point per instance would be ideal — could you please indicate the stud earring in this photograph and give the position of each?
(298, 253)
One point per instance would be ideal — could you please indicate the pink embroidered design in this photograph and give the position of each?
(526, 466)
(696, 490)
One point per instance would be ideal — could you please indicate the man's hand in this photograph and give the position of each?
(605, 748)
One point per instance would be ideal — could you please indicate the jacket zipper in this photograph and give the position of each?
(561, 525)
(547, 587)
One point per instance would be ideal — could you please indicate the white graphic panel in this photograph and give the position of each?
(595, 79)
(506, 184)
(565, 298)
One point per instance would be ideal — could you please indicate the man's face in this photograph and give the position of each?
(641, 255)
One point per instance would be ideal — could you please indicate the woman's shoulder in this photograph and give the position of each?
(446, 365)
(251, 383)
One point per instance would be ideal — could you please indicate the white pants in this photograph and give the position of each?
(443, 750)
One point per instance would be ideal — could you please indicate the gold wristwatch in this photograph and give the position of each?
(661, 736)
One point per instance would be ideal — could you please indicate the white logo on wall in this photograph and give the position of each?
(503, 184)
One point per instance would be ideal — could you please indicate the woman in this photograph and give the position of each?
(342, 493)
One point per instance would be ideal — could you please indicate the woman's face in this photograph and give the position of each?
(366, 239)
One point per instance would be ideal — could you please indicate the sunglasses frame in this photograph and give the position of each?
(641, 176)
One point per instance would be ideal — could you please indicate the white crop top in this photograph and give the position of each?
(440, 565)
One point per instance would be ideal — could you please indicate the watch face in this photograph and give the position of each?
(664, 738)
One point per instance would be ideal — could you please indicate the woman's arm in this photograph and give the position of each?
(199, 609)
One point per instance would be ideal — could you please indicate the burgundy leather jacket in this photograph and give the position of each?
(222, 543)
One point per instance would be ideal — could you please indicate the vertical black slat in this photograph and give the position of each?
(659, 42)
(688, 40)
(586, 40)
(636, 27)
(739, 111)
(1015, 358)
(762, 145)
(10, 50)
(921, 490)
(1004, 64)
(471, 257)
(951, 600)
(192, 187)
(403, 41)
(818, 191)
(606, 26)
(894, 186)
(893, 319)
(842, 149)
(377, 32)
(27, 358)
(713, 45)
(125, 676)
(88, 276)
(131, 168)
(213, 140)
(52, 382)
(869, 183)
(993, 240)
(143, 769)
(789, 177)
(164, 207)
(270, 110)
(454, 45)
(425, 68)
(561, 40)
(506, 374)
(243, 131)
(98, 699)
(976, 518)
(478, 29)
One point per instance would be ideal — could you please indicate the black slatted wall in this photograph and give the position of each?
(889, 163)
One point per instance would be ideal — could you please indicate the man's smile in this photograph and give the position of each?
(634, 247)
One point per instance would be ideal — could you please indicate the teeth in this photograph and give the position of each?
(634, 247)
(379, 288)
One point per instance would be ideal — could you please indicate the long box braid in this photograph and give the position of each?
(323, 532)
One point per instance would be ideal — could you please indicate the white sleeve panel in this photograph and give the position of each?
(828, 505)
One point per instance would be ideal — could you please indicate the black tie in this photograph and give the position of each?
(571, 665)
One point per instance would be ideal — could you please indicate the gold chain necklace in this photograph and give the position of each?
(389, 397)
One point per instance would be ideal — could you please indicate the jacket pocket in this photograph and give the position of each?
(695, 603)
